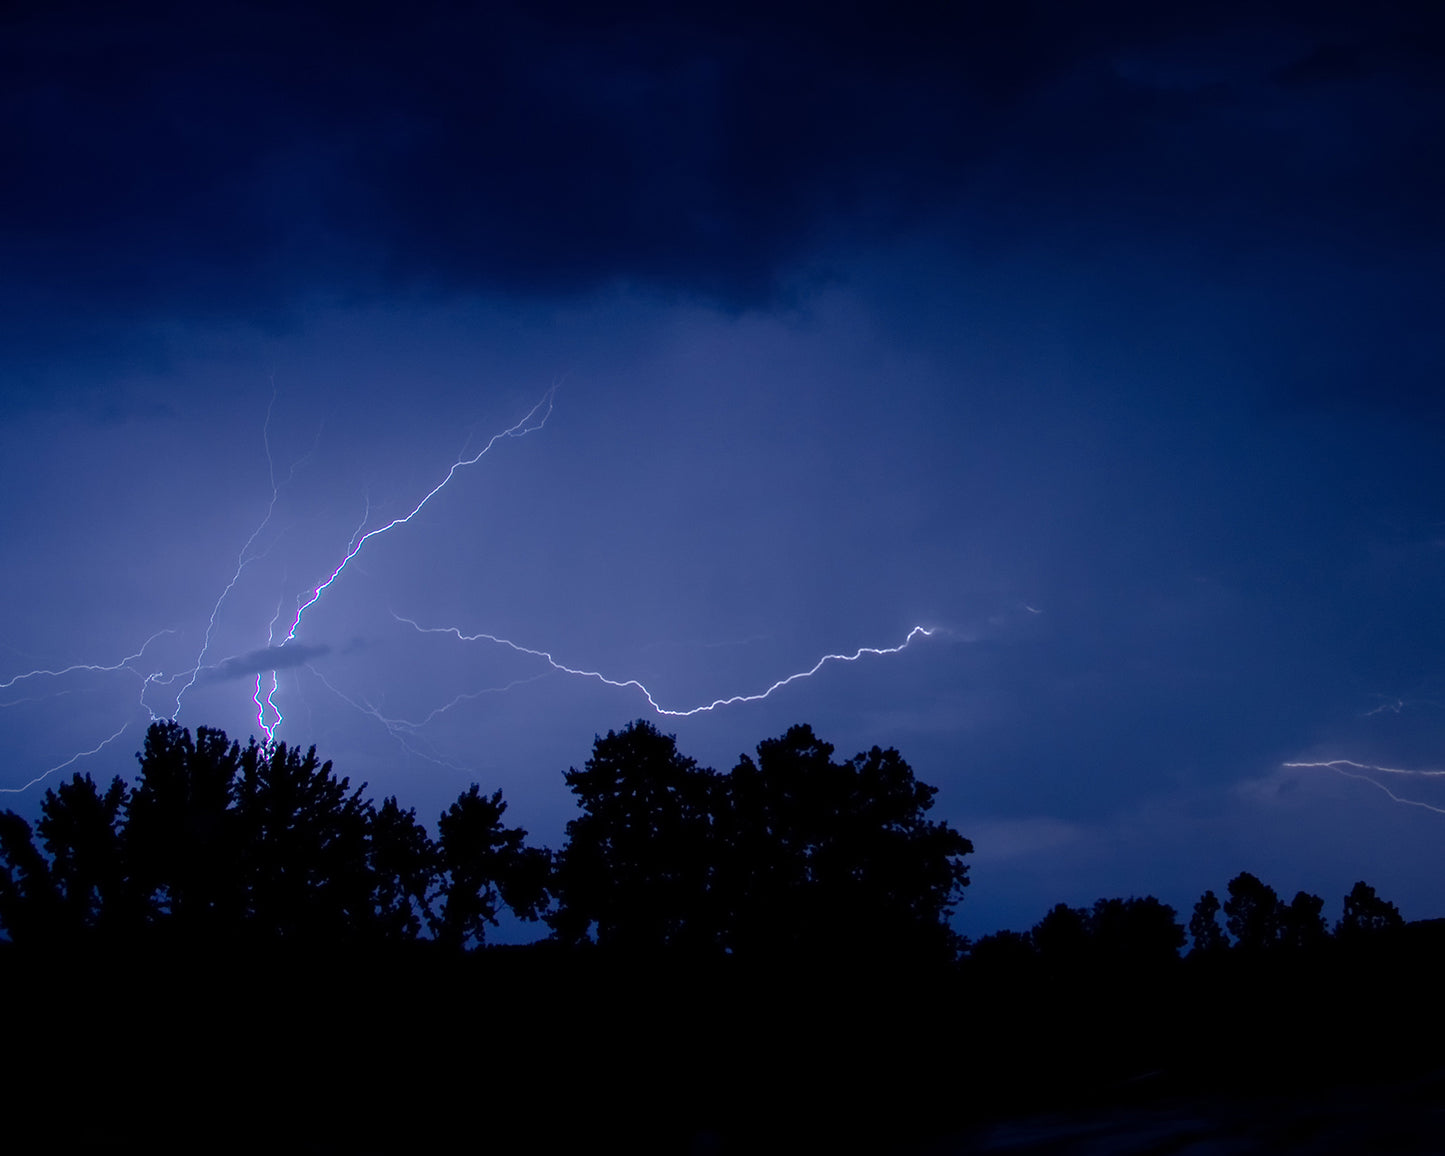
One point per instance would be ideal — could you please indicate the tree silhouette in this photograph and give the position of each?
(790, 854)
(404, 867)
(182, 839)
(1252, 913)
(1116, 935)
(30, 901)
(637, 865)
(80, 829)
(1136, 934)
(1302, 924)
(1209, 938)
(1366, 914)
(1063, 936)
(484, 864)
(219, 842)
(828, 858)
(304, 855)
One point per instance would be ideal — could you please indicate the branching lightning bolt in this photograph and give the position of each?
(531, 423)
(123, 664)
(283, 627)
(521, 429)
(623, 684)
(244, 558)
(402, 730)
(1340, 767)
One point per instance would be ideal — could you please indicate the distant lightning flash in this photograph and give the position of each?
(647, 694)
(1339, 766)
(531, 423)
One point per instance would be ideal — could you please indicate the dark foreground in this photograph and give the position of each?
(551, 1050)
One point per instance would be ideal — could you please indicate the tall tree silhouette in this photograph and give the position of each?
(637, 866)
(182, 839)
(1252, 913)
(31, 904)
(404, 867)
(484, 864)
(304, 835)
(1209, 938)
(1302, 923)
(80, 828)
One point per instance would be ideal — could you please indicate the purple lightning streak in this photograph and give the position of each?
(647, 694)
(242, 558)
(530, 423)
(402, 729)
(123, 664)
(261, 705)
(521, 429)
(61, 766)
(1339, 767)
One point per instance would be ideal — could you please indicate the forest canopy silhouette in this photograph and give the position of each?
(216, 842)
(770, 944)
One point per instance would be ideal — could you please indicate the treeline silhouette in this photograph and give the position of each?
(239, 944)
(219, 843)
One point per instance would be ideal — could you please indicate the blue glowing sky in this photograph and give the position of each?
(1103, 345)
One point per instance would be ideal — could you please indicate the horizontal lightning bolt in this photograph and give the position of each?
(623, 684)
(1336, 764)
(121, 665)
(1340, 767)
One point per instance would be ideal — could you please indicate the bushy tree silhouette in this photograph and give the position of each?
(1062, 937)
(1136, 934)
(637, 867)
(219, 842)
(484, 864)
(303, 834)
(182, 839)
(1302, 923)
(1366, 914)
(1115, 935)
(790, 854)
(814, 847)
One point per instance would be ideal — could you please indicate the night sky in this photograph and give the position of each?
(1101, 340)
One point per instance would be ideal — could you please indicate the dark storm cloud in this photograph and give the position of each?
(268, 658)
(211, 158)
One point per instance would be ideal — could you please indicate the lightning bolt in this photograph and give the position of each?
(283, 628)
(244, 557)
(521, 429)
(1342, 767)
(100, 746)
(623, 684)
(123, 664)
(403, 730)
(531, 423)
